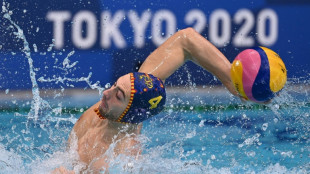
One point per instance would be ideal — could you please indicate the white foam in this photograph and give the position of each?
(10, 162)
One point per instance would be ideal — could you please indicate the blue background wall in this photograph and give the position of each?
(106, 63)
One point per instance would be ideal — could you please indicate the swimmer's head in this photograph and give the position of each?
(134, 98)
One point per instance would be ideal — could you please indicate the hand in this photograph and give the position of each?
(230, 87)
(244, 101)
(267, 102)
(62, 170)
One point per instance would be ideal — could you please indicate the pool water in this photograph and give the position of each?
(199, 132)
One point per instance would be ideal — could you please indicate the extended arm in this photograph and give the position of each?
(185, 45)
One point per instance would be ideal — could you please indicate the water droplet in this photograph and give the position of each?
(202, 122)
(108, 85)
(244, 116)
(50, 47)
(251, 154)
(213, 157)
(35, 48)
(265, 126)
(276, 106)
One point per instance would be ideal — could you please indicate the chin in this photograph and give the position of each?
(102, 110)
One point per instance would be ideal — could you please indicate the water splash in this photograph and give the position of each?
(38, 104)
(10, 162)
(251, 141)
(38, 125)
(67, 67)
(59, 158)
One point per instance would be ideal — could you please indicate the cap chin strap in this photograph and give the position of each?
(98, 113)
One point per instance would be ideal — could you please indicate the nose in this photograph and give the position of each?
(107, 93)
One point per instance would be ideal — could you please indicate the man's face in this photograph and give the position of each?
(115, 99)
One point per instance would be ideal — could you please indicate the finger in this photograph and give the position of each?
(267, 102)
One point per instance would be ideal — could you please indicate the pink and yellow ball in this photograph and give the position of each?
(258, 74)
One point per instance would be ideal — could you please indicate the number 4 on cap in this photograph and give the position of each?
(154, 101)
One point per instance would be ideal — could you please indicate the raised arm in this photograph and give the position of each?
(184, 45)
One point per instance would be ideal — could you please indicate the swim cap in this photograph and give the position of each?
(147, 98)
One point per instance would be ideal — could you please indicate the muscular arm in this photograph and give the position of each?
(185, 45)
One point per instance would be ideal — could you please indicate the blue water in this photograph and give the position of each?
(220, 135)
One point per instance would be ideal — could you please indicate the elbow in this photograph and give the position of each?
(187, 36)
(187, 32)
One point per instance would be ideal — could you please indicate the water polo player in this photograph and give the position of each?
(135, 97)
(146, 96)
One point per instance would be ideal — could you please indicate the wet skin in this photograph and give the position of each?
(94, 135)
(115, 100)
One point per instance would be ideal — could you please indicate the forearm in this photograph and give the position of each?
(205, 54)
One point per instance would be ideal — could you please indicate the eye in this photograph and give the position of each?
(118, 94)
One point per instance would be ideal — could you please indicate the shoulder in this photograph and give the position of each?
(85, 121)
